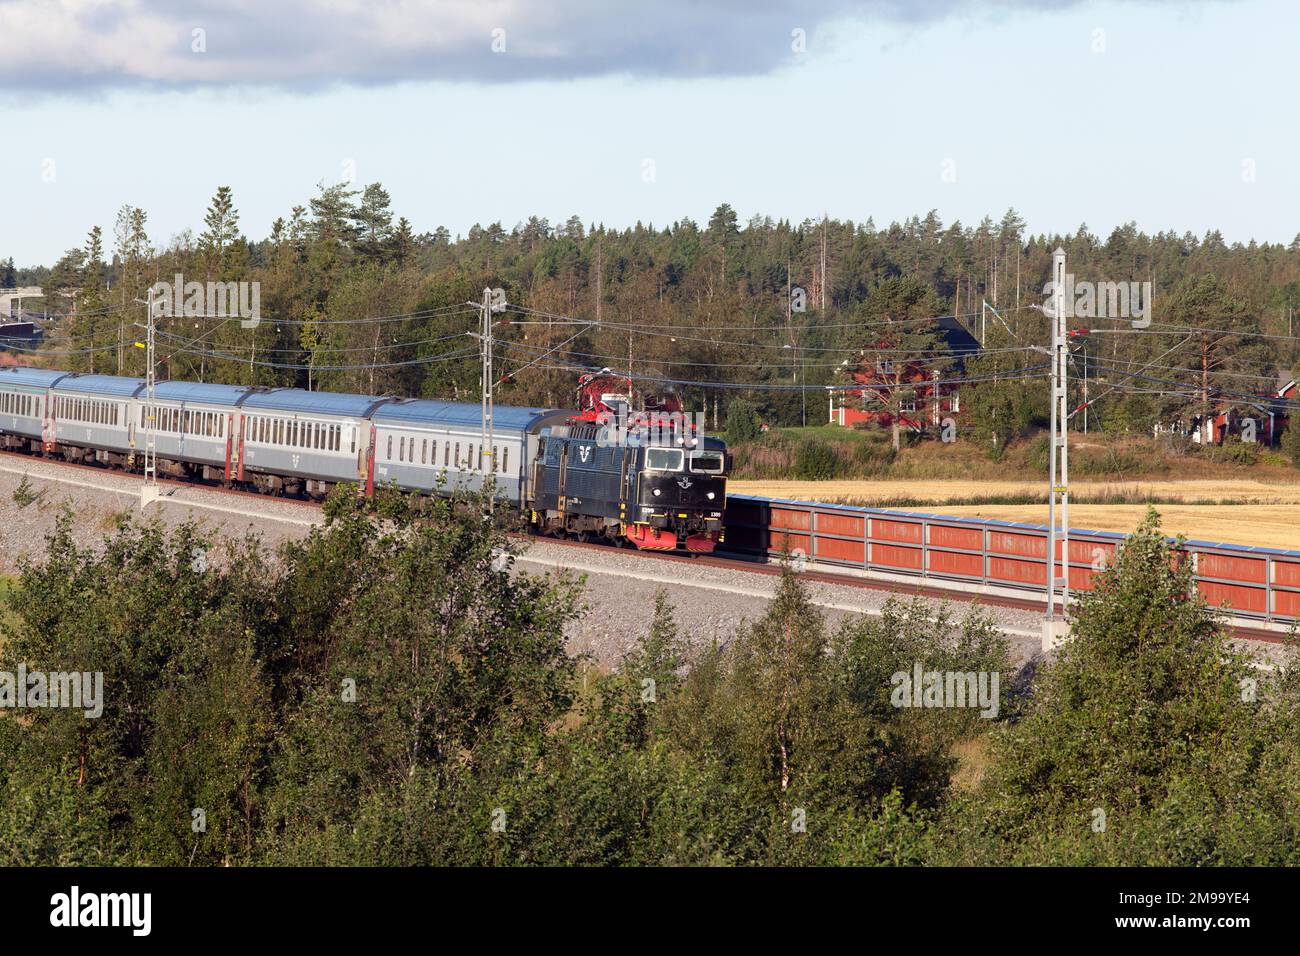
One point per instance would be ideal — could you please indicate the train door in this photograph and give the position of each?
(235, 446)
(537, 483)
(48, 423)
(366, 461)
(560, 499)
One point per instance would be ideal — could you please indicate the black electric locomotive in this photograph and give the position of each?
(656, 496)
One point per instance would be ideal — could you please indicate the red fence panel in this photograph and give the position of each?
(892, 556)
(1015, 556)
(968, 539)
(908, 532)
(1232, 567)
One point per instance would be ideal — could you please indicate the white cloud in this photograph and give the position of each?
(89, 45)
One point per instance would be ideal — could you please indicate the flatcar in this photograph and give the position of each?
(555, 470)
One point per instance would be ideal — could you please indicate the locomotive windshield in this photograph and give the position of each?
(707, 462)
(664, 459)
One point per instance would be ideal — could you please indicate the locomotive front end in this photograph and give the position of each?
(680, 497)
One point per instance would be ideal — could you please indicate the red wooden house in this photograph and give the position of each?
(931, 398)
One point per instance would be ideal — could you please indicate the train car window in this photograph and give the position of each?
(496, 461)
(664, 459)
(707, 462)
(446, 454)
(505, 460)
(316, 432)
(353, 433)
(389, 454)
(424, 451)
(457, 456)
(401, 450)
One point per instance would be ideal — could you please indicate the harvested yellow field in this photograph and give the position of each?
(1266, 526)
(862, 491)
(1267, 515)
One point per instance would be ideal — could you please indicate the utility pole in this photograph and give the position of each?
(493, 301)
(149, 490)
(485, 351)
(796, 375)
(1059, 470)
(1085, 387)
(823, 279)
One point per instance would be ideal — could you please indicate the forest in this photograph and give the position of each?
(762, 312)
(389, 691)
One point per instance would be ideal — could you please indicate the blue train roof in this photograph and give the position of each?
(318, 403)
(425, 411)
(199, 392)
(100, 384)
(31, 377)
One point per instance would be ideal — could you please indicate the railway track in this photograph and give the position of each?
(931, 589)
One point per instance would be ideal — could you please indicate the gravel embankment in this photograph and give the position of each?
(710, 602)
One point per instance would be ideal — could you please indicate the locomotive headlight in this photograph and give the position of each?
(709, 496)
(656, 492)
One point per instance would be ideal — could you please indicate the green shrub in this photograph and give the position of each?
(1290, 444)
(742, 421)
(817, 461)
(1232, 453)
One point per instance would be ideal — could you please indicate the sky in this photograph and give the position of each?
(1171, 113)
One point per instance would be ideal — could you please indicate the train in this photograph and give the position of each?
(564, 472)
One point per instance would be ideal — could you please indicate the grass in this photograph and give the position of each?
(7, 584)
(864, 454)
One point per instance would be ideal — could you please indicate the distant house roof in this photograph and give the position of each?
(958, 337)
